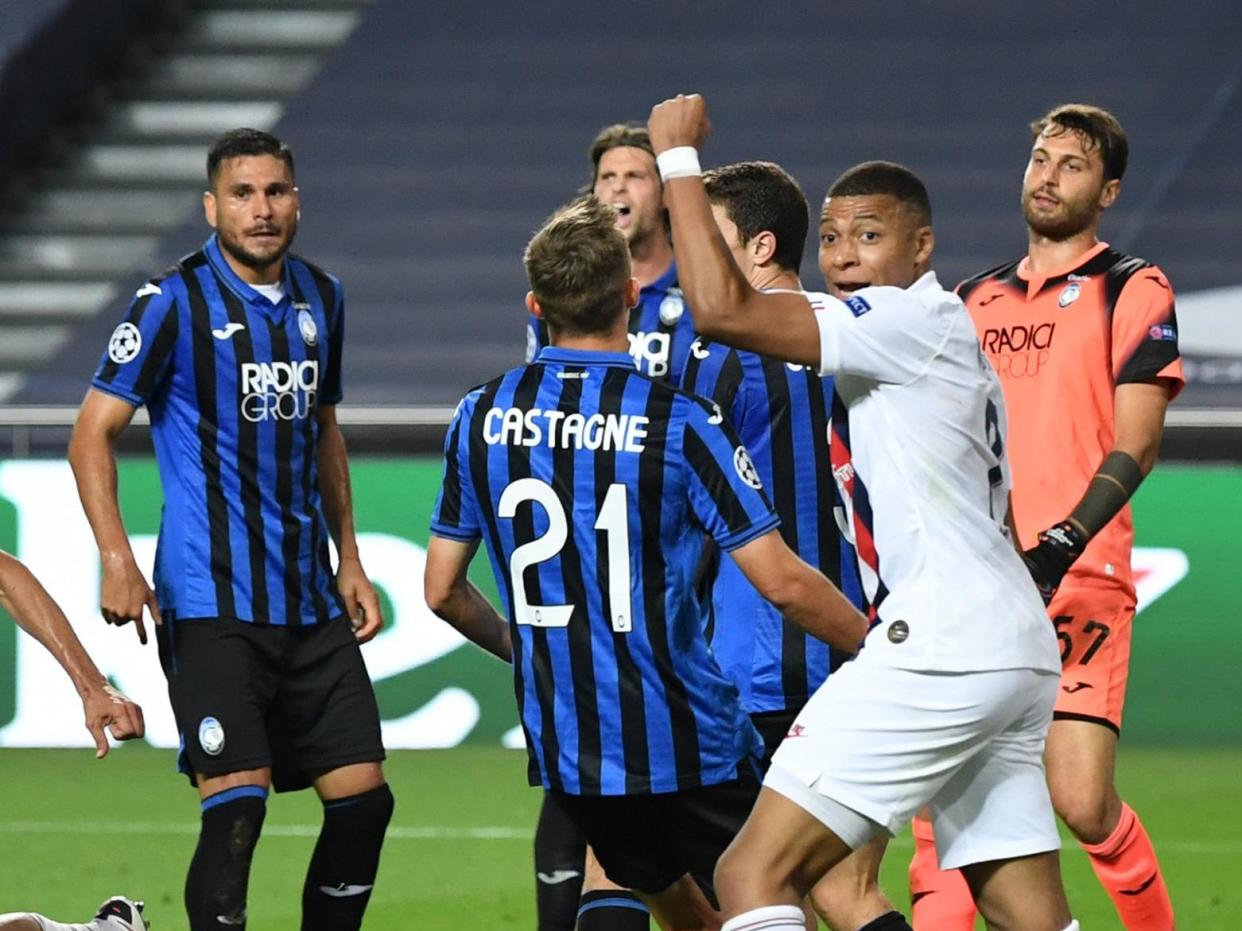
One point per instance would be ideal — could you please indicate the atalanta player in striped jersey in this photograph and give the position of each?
(624, 176)
(236, 351)
(781, 414)
(592, 486)
(1084, 339)
(949, 700)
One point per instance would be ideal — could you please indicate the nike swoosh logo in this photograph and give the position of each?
(988, 300)
(1076, 687)
(344, 890)
(1141, 889)
(556, 876)
(146, 289)
(236, 921)
(228, 330)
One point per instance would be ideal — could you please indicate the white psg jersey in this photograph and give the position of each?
(918, 453)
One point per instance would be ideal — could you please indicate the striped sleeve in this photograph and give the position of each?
(140, 349)
(725, 491)
(456, 514)
(713, 371)
(1145, 332)
(333, 387)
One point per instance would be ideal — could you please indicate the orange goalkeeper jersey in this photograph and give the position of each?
(1061, 343)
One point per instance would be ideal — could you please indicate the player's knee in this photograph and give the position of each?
(1091, 817)
(738, 877)
(365, 815)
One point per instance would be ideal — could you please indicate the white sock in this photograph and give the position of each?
(48, 925)
(1072, 926)
(772, 918)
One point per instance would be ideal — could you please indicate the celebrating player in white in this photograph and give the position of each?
(949, 702)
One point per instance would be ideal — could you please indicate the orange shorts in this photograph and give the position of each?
(1093, 629)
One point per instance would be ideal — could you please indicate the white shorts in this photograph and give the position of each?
(884, 742)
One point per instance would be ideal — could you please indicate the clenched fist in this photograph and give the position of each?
(680, 121)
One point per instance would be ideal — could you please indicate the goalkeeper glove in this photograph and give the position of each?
(1051, 557)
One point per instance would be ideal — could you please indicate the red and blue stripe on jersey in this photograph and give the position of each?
(858, 507)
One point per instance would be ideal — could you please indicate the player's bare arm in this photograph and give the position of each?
(35, 612)
(1139, 409)
(454, 599)
(124, 590)
(361, 601)
(724, 305)
(801, 594)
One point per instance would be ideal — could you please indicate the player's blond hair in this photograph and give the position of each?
(578, 266)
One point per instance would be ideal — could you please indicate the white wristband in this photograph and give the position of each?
(679, 162)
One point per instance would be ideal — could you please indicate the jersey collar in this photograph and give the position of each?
(1035, 285)
(558, 355)
(664, 282)
(241, 288)
(926, 282)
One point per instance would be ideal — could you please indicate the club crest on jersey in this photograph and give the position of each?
(898, 632)
(306, 326)
(125, 344)
(1069, 294)
(672, 307)
(745, 468)
(211, 736)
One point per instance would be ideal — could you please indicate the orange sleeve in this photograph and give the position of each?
(1145, 332)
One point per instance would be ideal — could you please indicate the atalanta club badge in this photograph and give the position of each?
(211, 736)
(306, 326)
(1070, 294)
(672, 307)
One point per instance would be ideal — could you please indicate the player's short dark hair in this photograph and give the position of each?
(760, 196)
(1096, 127)
(870, 178)
(578, 265)
(617, 136)
(237, 143)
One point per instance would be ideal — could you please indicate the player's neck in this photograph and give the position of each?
(1046, 256)
(774, 278)
(650, 259)
(612, 342)
(267, 274)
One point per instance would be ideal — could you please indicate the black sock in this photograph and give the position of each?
(560, 855)
(890, 921)
(215, 888)
(346, 859)
(612, 910)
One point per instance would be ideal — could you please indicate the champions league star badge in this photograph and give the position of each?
(672, 307)
(306, 326)
(1070, 294)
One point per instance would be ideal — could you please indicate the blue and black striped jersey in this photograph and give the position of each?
(781, 413)
(660, 330)
(592, 486)
(233, 383)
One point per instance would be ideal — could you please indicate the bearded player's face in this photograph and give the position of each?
(1063, 190)
(253, 206)
(627, 179)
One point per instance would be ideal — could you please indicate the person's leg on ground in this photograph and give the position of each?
(233, 807)
(606, 906)
(560, 854)
(849, 897)
(940, 900)
(1020, 894)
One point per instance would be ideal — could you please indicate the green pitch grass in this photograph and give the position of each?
(74, 831)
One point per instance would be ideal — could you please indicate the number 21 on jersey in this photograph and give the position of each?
(613, 520)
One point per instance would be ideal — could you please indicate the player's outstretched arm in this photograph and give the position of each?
(124, 590)
(28, 603)
(801, 594)
(453, 598)
(1139, 411)
(361, 602)
(723, 304)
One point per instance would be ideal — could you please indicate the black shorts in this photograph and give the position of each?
(648, 842)
(773, 726)
(248, 696)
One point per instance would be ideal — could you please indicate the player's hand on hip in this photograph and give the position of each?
(680, 121)
(361, 602)
(1049, 559)
(105, 707)
(125, 593)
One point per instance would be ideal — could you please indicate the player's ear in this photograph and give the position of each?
(762, 247)
(209, 208)
(1109, 193)
(533, 305)
(631, 293)
(924, 245)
